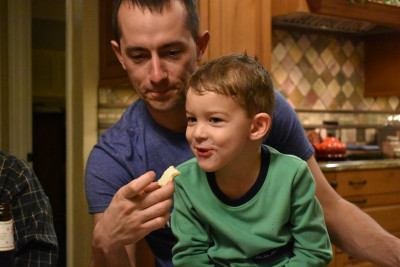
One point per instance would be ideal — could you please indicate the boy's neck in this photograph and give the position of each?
(236, 181)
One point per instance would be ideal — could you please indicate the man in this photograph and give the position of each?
(158, 44)
(34, 235)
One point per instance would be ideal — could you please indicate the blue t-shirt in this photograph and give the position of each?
(137, 144)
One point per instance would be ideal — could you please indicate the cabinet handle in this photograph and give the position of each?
(334, 185)
(361, 201)
(358, 182)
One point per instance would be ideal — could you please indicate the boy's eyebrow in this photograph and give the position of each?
(130, 49)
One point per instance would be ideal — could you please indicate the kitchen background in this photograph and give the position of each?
(322, 77)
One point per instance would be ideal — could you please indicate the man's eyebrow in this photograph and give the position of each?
(131, 49)
(177, 43)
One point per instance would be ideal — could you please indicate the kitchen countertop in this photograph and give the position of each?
(351, 165)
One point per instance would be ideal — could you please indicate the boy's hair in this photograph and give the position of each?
(238, 76)
(192, 19)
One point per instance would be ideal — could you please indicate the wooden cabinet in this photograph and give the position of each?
(377, 193)
(370, 11)
(235, 26)
(382, 62)
(111, 71)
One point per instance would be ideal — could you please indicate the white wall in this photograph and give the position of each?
(82, 63)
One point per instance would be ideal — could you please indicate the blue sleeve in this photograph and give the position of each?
(287, 134)
(107, 168)
(102, 179)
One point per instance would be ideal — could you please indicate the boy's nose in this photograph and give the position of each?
(200, 132)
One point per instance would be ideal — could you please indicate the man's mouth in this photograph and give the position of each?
(159, 93)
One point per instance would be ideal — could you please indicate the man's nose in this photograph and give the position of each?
(158, 71)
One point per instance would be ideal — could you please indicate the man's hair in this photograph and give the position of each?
(192, 19)
(239, 76)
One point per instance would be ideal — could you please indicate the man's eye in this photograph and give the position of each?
(137, 57)
(174, 53)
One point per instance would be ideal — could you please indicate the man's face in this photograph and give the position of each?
(158, 52)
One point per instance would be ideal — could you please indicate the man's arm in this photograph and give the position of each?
(350, 228)
(137, 209)
(100, 256)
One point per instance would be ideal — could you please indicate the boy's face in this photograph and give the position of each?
(218, 130)
(158, 53)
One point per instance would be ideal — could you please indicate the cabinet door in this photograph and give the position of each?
(382, 62)
(386, 216)
(344, 259)
(237, 26)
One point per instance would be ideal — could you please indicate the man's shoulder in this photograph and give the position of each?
(133, 117)
(12, 163)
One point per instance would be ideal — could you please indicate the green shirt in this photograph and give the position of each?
(213, 230)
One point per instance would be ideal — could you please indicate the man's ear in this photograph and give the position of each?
(117, 51)
(201, 45)
(260, 126)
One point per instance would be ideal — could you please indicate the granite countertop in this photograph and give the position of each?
(359, 165)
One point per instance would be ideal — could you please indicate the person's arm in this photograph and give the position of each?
(34, 232)
(193, 239)
(350, 228)
(137, 209)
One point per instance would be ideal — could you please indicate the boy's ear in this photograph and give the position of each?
(261, 124)
(117, 51)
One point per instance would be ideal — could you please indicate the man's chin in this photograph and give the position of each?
(162, 106)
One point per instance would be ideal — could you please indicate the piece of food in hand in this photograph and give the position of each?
(168, 175)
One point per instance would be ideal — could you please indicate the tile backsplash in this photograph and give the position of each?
(323, 72)
(321, 75)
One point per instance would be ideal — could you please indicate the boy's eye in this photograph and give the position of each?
(215, 120)
(191, 119)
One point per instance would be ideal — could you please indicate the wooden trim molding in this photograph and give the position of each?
(20, 78)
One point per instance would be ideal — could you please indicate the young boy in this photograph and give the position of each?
(241, 203)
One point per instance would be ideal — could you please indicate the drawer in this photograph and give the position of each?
(331, 178)
(345, 260)
(387, 216)
(364, 201)
(352, 183)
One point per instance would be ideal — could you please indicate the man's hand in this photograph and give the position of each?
(137, 209)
